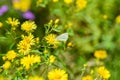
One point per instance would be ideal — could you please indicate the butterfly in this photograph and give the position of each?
(62, 37)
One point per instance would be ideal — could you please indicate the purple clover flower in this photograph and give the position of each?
(3, 9)
(28, 15)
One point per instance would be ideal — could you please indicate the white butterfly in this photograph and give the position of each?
(62, 37)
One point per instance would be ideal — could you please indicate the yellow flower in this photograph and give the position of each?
(70, 44)
(16, 4)
(37, 40)
(105, 16)
(51, 39)
(100, 54)
(118, 19)
(11, 55)
(57, 74)
(85, 65)
(50, 22)
(6, 65)
(68, 1)
(81, 4)
(28, 26)
(88, 77)
(13, 22)
(35, 78)
(103, 72)
(22, 5)
(52, 59)
(1, 24)
(56, 21)
(28, 61)
(91, 71)
(23, 47)
(29, 39)
(69, 25)
(55, 0)
(45, 51)
(37, 58)
(4, 57)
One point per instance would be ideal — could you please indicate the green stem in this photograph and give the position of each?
(45, 70)
(65, 67)
(82, 74)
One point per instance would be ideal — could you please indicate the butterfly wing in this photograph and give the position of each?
(62, 37)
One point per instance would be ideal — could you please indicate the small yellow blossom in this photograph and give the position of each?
(29, 60)
(50, 22)
(37, 58)
(6, 65)
(118, 19)
(52, 59)
(55, 0)
(91, 71)
(68, 1)
(69, 25)
(88, 77)
(105, 16)
(29, 39)
(45, 51)
(81, 4)
(103, 72)
(35, 78)
(51, 39)
(23, 47)
(85, 65)
(25, 44)
(11, 55)
(4, 58)
(70, 44)
(56, 21)
(13, 22)
(1, 24)
(28, 26)
(37, 40)
(100, 54)
(57, 74)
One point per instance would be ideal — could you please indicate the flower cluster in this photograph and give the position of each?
(29, 53)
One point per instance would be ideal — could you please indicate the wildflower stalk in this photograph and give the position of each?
(98, 78)
(66, 68)
(45, 70)
(83, 71)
